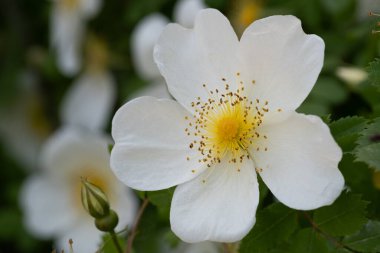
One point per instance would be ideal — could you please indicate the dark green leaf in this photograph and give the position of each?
(344, 217)
(368, 149)
(371, 134)
(346, 131)
(367, 239)
(274, 224)
(369, 154)
(162, 200)
(374, 72)
(308, 241)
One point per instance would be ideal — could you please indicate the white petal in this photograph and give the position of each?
(70, 152)
(203, 55)
(221, 208)
(85, 236)
(47, 206)
(185, 11)
(90, 8)
(66, 31)
(89, 101)
(300, 166)
(157, 89)
(143, 39)
(151, 146)
(282, 59)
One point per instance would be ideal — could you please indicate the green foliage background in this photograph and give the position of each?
(351, 224)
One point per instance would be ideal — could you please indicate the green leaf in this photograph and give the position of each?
(369, 154)
(308, 241)
(162, 200)
(368, 150)
(374, 72)
(341, 250)
(344, 217)
(367, 239)
(274, 224)
(371, 134)
(347, 130)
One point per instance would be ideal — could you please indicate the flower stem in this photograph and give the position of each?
(115, 241)
(135, 226)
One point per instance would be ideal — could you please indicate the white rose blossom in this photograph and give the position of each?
(67, 29)
(234, 117)
(51, 200)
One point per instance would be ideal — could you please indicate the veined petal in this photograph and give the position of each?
(300, 163)
(151, 149)
(219, 205)
(47, 206)
(143, 39)
(89, 101)
(283, 61)
(203, 55)
(185, 11)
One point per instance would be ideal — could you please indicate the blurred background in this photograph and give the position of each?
(62, 61)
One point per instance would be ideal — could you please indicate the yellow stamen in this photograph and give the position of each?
(225, 125)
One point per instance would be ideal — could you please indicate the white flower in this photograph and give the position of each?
(89, 101)
(185, 11)
(67, 29)
(143, 39)
(234, 115)
(51, 200)
(352, 75)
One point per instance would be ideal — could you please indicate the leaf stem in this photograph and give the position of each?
(133, 233)
(115, 241)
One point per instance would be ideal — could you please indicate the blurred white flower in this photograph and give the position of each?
(67, 29)
(89, 101)
(234, 116)
(145, 36)
(51, 200)
(24, 125)
(185, 11)
(143, 39)
(351, 75)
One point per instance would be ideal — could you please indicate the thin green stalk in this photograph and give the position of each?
(116, 241)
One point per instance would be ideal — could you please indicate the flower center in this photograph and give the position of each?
(225, 125)
(227, 129)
